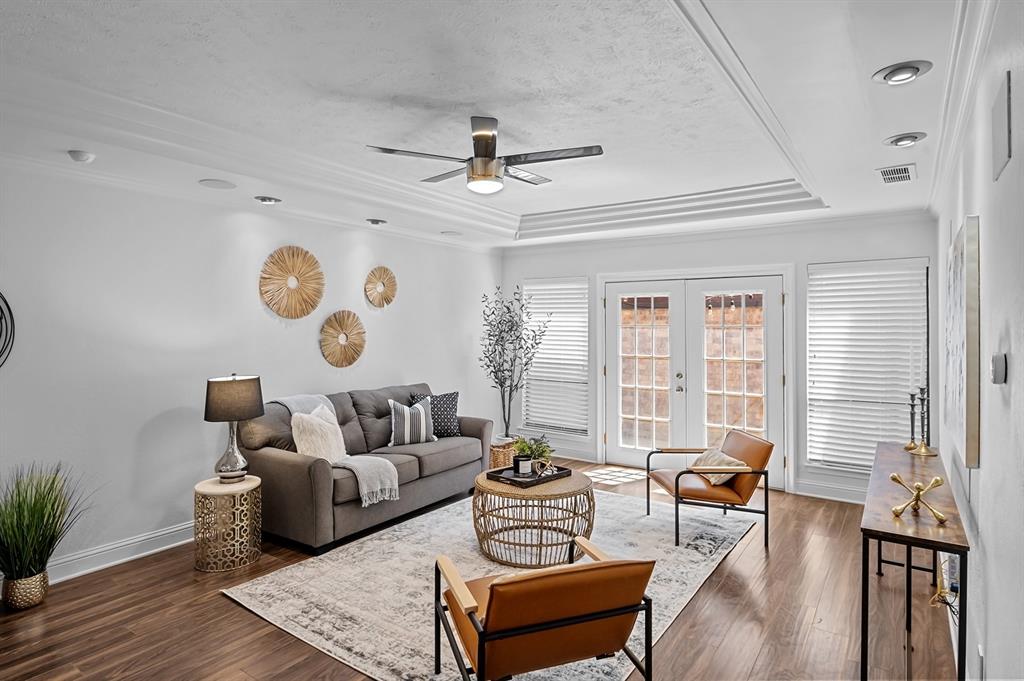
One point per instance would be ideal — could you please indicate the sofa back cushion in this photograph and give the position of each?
(375, 413)
(274, 428)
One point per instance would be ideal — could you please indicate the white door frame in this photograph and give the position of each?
(788, 273)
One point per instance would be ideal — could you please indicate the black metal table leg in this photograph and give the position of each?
(864, 561)
(961, 634)
(878, 559)
(935, 567)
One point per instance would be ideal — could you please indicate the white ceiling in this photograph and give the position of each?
(686, 97)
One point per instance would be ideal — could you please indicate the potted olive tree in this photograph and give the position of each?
(38, 507)
(510, 342)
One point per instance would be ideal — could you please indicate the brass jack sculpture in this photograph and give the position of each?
(916, 501)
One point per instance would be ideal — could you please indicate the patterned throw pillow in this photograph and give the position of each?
(716, 457)
(444, 410)
(411, 425)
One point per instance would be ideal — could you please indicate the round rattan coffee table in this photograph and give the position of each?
(532, 527)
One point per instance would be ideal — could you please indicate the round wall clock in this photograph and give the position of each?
(342, 338)
(291, 282)
(6, 330)
(381, 286)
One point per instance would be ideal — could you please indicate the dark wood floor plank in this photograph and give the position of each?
(789, 613)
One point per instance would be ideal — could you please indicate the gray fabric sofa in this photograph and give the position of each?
(308, 501)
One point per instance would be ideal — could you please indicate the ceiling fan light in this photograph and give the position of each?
(485, 175)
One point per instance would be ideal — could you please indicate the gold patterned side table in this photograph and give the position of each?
(228, 524)
(535, 526)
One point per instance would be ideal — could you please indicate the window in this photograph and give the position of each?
(866, 335)
(556, 397)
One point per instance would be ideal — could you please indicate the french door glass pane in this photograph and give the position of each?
(733, 388)
(644, 399)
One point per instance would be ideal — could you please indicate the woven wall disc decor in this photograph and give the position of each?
(342, 338)
(291, 282)
(381, 286)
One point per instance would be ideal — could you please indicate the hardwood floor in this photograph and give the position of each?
(790, 613)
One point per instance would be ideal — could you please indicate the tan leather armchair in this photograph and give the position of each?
(534, 620)
(689, 488)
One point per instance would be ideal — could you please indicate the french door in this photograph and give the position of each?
(689, 360)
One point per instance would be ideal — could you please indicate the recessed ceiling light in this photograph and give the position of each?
(450, 232)
(267, 200)
(904, 139)
(79, 156)
(376, 221)
(214, 183)
(902, 73)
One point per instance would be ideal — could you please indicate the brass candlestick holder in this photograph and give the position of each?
(912, 445)
(922, 448)
(916, 501)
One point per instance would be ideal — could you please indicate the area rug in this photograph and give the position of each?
(369, 603)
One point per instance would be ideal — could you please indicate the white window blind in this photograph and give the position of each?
(557, 392)
(866, 331)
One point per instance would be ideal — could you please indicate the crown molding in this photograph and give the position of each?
(698, 18)
(91, 175)
(971, 33)
(733, 202)
(41, 102)
(815, 223)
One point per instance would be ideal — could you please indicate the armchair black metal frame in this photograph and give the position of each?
(707, 504)
(484, 636)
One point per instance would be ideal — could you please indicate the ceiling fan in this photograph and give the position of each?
(485, 171)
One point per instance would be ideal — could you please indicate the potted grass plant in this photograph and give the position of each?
(38, 507)
(536, 448)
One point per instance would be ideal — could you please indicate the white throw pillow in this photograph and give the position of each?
(716, 457)
(319, 435)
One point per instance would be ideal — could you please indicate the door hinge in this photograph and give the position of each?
(785, 462)
(604, 370)
(783, 298)
(783, 380)
(606, 438)
(604, 303)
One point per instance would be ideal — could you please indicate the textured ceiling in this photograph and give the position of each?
(329, 77)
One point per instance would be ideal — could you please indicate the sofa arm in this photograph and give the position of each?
(297, 495)
(481, 429)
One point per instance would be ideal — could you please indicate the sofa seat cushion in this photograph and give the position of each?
(443, 455)
(347, 489)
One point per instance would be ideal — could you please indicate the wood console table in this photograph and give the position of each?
(921, 531)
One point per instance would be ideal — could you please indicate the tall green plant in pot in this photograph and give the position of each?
(38, 507)
(509, 344)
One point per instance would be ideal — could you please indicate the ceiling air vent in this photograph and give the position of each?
(904, 173)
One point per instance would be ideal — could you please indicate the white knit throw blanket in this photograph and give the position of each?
(377, 477)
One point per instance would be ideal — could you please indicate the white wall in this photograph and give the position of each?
(788, 247)
(126, 302)
(992, 496)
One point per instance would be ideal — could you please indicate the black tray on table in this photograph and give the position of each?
(506, 475)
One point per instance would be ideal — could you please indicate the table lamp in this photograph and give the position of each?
(232, 399)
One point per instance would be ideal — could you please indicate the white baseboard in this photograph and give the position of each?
(106, 555)
(851, 495)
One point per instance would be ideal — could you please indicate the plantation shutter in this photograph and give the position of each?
(557, 392)
(866, 335)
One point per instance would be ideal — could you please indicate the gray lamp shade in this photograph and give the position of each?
(233, 398)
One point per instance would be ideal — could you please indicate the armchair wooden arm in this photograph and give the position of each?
(591, 550)
(455, 582)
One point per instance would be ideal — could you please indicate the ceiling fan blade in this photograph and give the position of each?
(445, 176)
(485, 136)
(553, 155)
(415, 154)
(525, 175)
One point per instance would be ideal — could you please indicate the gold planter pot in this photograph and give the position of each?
(19, 594)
